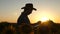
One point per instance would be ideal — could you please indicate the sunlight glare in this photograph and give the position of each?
(43, 19)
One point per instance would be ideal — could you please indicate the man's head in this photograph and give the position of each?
(28, 8)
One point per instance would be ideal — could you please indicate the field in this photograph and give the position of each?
(13, 28)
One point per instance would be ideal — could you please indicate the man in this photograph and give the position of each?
(23, 18)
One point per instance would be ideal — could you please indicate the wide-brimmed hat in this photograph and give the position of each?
(29, 6)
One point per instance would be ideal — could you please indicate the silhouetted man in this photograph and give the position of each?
(23, 18)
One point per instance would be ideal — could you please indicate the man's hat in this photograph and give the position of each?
(28, 6)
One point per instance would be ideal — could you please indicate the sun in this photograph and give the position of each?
(44, 19)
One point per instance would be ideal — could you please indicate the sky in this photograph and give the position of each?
(10, 10)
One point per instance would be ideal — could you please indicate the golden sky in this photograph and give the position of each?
(10, 10)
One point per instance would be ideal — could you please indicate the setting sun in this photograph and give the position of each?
(43, 19)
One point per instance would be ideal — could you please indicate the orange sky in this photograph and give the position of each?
(11, 9)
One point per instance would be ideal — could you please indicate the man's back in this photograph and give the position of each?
(23, 19)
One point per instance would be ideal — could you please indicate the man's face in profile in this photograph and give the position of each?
(28, 11)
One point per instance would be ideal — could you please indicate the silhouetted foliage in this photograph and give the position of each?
(11, 28)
